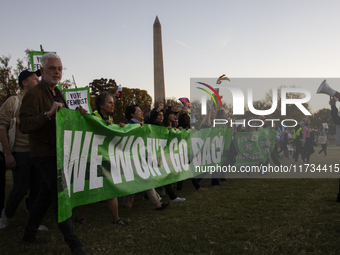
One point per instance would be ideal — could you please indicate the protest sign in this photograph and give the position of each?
(254, 148)
(78, 97)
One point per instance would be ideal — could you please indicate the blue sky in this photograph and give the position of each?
(113, 39)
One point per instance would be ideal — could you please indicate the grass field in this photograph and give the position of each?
(241, 216)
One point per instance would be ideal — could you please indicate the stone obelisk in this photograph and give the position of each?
(159, 89)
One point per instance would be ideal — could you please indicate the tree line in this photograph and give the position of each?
(9, 86)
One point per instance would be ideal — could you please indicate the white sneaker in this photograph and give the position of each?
(43, 228)
(177, 199)
(4, 220)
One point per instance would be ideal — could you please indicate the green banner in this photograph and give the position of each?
(97, 161)
(254, 148)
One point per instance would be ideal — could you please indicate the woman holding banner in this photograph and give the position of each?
(104, 109)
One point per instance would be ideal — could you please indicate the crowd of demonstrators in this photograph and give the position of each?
(33, 156)
(290, 143)
(37, 118)
(296, 141)
(104, 109)
(17, 153)
(33, 160)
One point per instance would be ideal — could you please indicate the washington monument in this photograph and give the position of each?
(159, 89)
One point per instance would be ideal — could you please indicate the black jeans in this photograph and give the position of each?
(25, 176)
(324, 148)
(195, 182)
(170, 191)
(308, 149)
(298, 149)
(49, 194)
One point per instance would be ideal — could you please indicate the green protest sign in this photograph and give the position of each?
(254, 148)
(97, 161)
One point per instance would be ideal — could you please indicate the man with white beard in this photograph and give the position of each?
(37, 116)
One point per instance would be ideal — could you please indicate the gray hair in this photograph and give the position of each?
(45, 58)
(100, 99)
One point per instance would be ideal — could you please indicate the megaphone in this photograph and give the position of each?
(324, 88)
